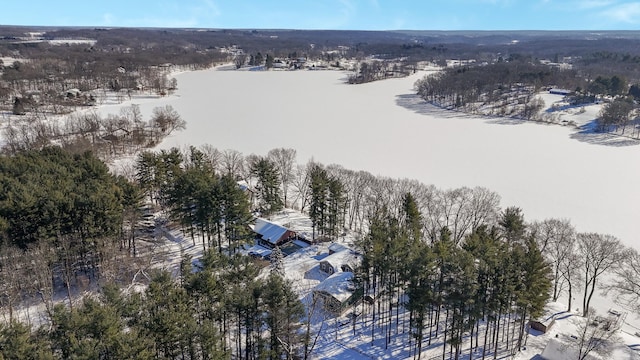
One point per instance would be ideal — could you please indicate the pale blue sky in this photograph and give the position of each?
(331, 14)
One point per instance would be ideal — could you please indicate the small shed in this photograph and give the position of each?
(270, 234)
(337, 292)
(542, 325)
(345, 260)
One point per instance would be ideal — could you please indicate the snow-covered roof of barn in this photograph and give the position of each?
(269, 231)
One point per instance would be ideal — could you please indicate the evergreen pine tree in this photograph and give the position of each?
(513, 225)
(268, 185)
(318, 185)
(277, 262)
(283, 312)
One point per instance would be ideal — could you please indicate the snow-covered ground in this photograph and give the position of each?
(383, 128)
(340, 339)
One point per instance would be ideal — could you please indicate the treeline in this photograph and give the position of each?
(205, 203)
(619, 115)
(61, 221)
(124, 61)
(220, 310)
(611, 63)
(66, 223)
(368, 71)
(444, 267)
(620, 112)
(509, 89)
(41, 87)
(505, 86)
(51, 85)
(107, 137)
(476, 295)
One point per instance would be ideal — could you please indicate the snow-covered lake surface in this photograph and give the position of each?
(381, 127)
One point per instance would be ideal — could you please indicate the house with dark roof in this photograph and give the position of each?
(270, 234)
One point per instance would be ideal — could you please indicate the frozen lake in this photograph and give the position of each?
(381, 128)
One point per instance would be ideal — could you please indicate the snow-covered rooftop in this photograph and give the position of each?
(344, 257)
(336, 247)
(269, 231)
(338, 285)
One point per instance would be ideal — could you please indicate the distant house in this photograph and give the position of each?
(557, 91)
(73, 93)
(337, 292)
(279, 64)
(336, 247)
(270, 234)
(345, 260)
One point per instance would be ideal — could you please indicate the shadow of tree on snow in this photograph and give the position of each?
(591, 137)
(415, 103)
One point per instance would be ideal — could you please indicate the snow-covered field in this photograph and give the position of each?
(381, 127)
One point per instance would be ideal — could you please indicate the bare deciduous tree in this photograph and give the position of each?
(599, 253)
(300, 183)
(284, 160)
(213, 156)
(556, 239)
(166, 119)
(571, 273)
(484, 207)
(595, 334)
(625, 286)
(240, 60)
(11, 273)
(232, 162)
(40, 261)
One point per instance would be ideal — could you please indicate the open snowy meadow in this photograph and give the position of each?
(381, 127)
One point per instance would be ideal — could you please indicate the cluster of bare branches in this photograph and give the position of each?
(110, 136)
